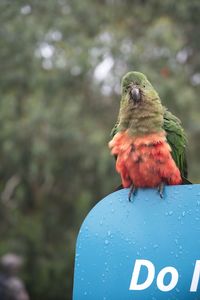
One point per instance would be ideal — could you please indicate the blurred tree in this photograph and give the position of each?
(61, 64)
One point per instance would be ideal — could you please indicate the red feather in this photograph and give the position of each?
(144, 161)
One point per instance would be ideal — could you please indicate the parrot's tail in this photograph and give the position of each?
(120, 187)
(186, 181)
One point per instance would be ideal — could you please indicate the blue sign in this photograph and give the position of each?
(145, 249)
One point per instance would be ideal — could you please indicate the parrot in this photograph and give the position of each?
(148, 141)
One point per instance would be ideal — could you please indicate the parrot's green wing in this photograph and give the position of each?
(114, 130)
(177, 140)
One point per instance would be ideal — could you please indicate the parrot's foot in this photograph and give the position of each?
(132, 192)
(161, 189)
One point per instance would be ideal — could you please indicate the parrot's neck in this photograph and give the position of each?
(144, 119)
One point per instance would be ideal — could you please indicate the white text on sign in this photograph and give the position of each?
(139, 263)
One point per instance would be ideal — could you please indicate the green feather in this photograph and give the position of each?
(177, 140)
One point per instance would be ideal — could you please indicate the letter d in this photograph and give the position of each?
(136, 271)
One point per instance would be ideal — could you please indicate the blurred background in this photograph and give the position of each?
(61, 64)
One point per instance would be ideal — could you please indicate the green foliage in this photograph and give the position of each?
(61, 64)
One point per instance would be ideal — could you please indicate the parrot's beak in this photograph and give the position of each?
(135, 94)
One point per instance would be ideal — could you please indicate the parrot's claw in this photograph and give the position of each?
(132, 192)
(161, 189)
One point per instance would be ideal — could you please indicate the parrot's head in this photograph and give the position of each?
(140, 108)
(136, 89)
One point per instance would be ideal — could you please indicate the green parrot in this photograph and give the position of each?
(148, 141)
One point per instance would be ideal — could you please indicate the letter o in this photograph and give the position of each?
(173, 282)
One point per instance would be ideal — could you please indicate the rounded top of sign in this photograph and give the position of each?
(118, 235)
